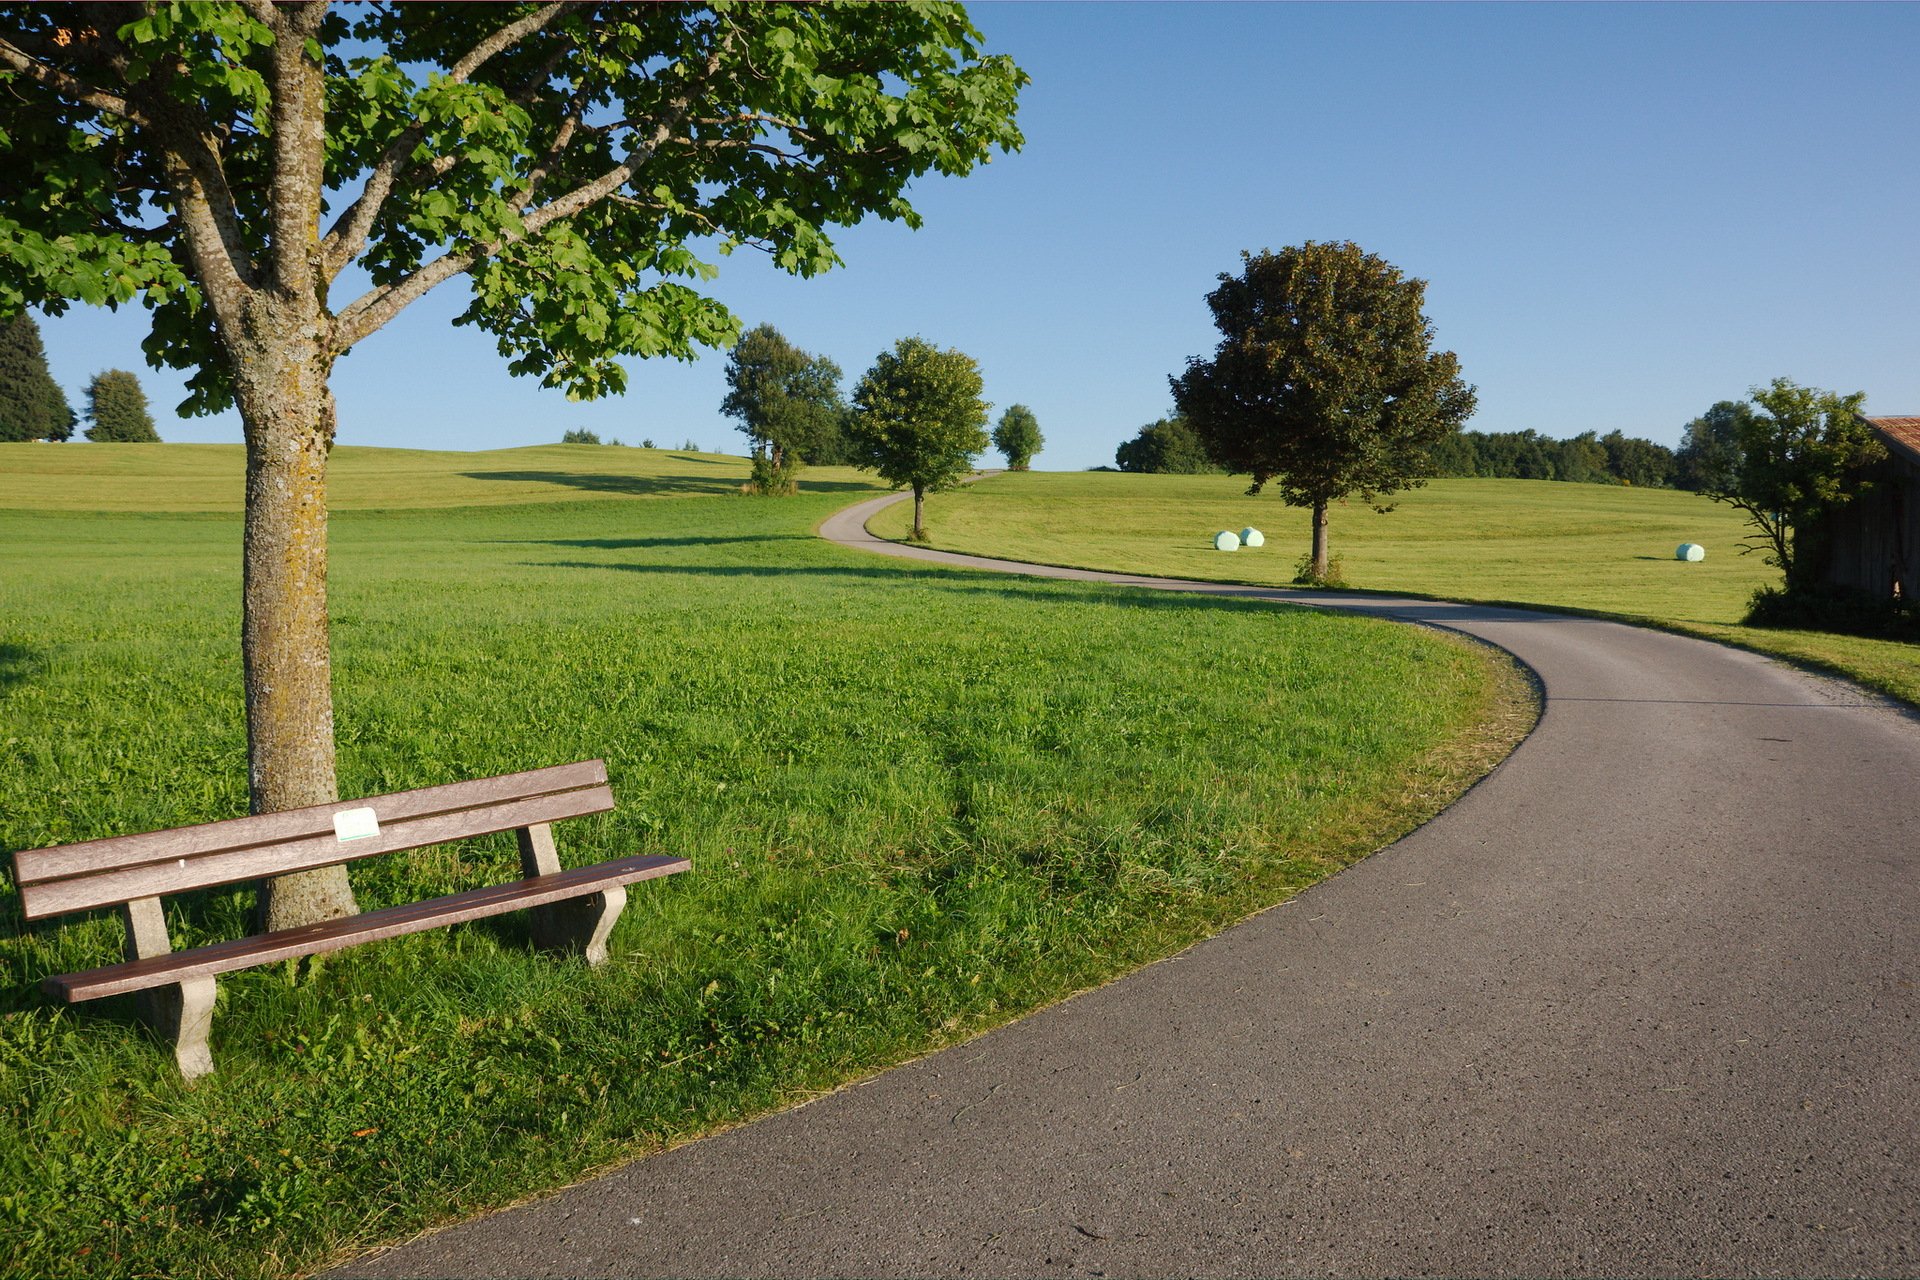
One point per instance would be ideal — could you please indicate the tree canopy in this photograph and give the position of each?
(1324, 380)
(1803, 454)
(1017, 436)
(919, 420)
(32, 405)
(117, 407)
(277, 182)
(787, 402)
(1708, 460)
(1168, 447)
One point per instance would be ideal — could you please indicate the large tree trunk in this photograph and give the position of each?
(919, 506)
(288, 411)
(1320, 540)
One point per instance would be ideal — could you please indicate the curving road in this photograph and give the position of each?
(1643, 1002)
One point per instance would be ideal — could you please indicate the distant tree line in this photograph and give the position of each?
(1167, 447)
(1588, 458)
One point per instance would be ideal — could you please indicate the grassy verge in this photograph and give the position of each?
(919, 802)
(1589, 548)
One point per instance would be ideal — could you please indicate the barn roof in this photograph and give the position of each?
(1902, 435)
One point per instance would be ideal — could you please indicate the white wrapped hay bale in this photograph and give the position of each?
(1252, 537)
(1691, 552)
(1226, 540)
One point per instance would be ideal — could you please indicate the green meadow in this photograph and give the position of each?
(1591, 548)
(919, 802)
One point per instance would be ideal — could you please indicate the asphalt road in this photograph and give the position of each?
(1642, 1003)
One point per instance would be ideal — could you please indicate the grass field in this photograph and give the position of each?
(918, 801)
(1595, 548)
(208, 477)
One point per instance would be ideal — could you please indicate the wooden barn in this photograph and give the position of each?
(1876, 538)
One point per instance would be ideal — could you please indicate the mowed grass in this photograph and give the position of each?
(918, 801)
(1592, 548)
(210, 477)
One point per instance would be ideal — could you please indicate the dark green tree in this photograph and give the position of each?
(1166, 447)
(1708, 460)
(919, 420)
(117, 408)
(1324, 380)
(787, 402)
(1017, 437)
(1640, 463)
(32, 405)
(1803, 455)
(226, 164)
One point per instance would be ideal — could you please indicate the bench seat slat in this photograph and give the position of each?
(33, 866)
(332, 935)
(258, 862)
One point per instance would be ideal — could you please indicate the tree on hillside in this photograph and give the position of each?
(1802, 455)
(1640, 463)
(1166, 447)
(919, 420)
(225, 164)
(1708, 460)
(32, 405)
(1017, 437)
(788, 403)
(1324, 380)
(117, 407)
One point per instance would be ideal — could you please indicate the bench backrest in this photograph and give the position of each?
(102, 873)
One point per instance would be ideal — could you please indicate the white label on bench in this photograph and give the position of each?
(355, 824)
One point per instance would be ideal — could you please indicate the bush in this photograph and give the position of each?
(580, 435)
(774, 479)
(1847, 610)
(1304, 576)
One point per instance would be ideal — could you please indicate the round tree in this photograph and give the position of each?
(919, 420)
(1017, 435)
(117, 407)
(1324, 380)
(788, 404)
(32, 405)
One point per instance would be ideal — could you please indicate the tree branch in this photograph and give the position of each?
(70, 87)
(376, 307)
(348, 237)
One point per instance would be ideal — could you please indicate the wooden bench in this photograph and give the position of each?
(573, 910)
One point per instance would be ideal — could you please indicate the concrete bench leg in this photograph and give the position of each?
(183, 1013)
(580, 926)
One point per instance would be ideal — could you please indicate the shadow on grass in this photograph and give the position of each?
(1043, 590)
(636, 544)
(633, 486)
(659, 486)
(18, 664)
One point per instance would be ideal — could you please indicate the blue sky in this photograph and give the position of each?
(1624, 213)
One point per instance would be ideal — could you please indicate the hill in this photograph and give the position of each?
(1590, 548)
(211, 477)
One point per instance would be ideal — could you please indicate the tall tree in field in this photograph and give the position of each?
(279, 181)
(788, 404)
(117, 407)
(1803, 453)
(919, 420)
(32, 405)
(1017, 437)
(1324, 380)
(1708, 460)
